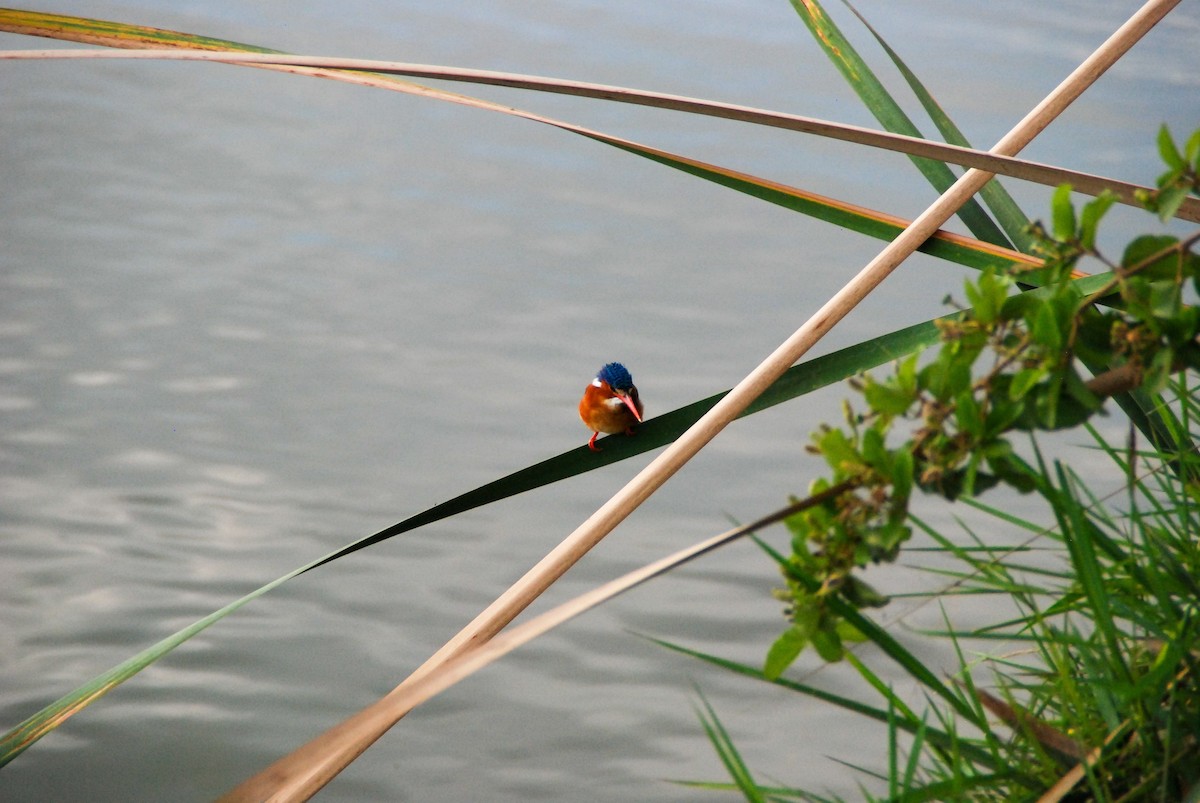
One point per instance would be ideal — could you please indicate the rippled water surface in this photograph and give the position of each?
(246, 318)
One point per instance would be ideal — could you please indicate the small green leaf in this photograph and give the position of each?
(1142, 251)
(1191, 150)
(889, 398)
(1063, 213)
(829, 645)
(1167, 150)
(873, 450)
(971, 290)
(906, 374)
(1045, 401)
(1023, 380)
(1003, 413)
(1158, 371)
(838, 451)
(958, 376)
(986, 296)
(998, 285)
(1060, 408)
(1044, 328)
(1018, 306)
(1090, 218)
(806, 619)
(902, 473)
(848, 632)
(797, 524)
(1183, 328)
(783, 653)
(863, 595)
(967, 415)
(1171, 198)
(1165, 299)
(1190, 265)
(998, 448)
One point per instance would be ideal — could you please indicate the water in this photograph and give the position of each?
(247, 318)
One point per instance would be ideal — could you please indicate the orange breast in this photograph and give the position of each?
(602, 411)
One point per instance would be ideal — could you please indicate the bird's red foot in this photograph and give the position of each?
(630, 431)
(592, 443)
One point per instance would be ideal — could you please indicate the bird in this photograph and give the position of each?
(610, 403)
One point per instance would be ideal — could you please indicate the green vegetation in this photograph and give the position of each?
(1101, 702)
(1103, 695)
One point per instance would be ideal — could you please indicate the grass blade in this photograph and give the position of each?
(909, 662)
(880, 225)
(727, 751)
(1008, 214)
(932, 735)
(24, 735)
(887, 111)
(1079, 533)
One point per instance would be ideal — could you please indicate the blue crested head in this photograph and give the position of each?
(616, 376)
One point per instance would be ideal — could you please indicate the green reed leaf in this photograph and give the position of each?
(887, 111)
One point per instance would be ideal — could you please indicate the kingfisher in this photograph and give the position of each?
(610, 403)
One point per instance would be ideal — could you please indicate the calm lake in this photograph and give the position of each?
(247, 318)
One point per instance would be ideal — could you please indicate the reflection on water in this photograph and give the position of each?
(247, 318)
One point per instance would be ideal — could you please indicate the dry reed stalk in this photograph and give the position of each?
(359, 71)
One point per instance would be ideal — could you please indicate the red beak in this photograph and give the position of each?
(629, 403)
